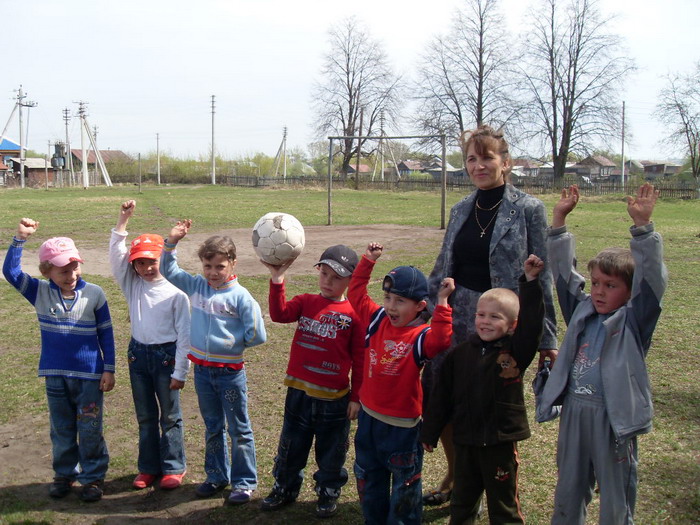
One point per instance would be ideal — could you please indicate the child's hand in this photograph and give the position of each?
(277, 272)
(125, 212)
(374, 251)
(26, 228)
(533, 266)
(128, 208)
(353, 410)
(179, 231)
(641, 206)
(447, 286)
(107, 381)
(176, 384)
(567, 202)
(428, 448)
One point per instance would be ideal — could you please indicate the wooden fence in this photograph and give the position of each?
(667, 189)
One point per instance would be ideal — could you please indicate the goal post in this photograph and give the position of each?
(443, 182)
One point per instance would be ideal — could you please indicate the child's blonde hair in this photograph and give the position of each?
(617, 262)
(507, 301)
(45, 268)
(217, 245)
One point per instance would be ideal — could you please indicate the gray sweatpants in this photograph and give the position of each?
(587, 451)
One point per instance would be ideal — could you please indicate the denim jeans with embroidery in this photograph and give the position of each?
(306, 418)
(388, 467)
(161, 433)
(75, 413)
(222, 393)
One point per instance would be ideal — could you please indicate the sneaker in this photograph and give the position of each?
(239, 496)
(92, 491)
(60, 487)
(143, 480)
(171, 481)
(208, 489)
(277, 499)
(326, 506)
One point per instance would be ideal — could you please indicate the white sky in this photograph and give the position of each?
(151, 66)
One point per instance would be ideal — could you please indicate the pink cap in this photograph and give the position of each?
(59, 251)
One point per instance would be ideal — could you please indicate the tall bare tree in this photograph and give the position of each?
(356, 77)
(679, 108)
(573, 69)
(466, 76)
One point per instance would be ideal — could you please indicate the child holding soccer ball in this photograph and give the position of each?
(327, 345)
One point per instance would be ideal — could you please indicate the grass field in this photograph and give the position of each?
(669, 488)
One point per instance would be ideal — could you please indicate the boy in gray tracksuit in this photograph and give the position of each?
(600, 375)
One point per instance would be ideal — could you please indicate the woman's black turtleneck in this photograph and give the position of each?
(470, 248)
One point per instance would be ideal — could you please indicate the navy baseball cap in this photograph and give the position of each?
(406, 281)
(341, 259)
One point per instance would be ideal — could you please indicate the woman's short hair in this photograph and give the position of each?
(217, 245)
(485, 138)
(617, 262)
(507, 300)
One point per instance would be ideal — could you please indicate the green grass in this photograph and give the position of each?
(669, 489)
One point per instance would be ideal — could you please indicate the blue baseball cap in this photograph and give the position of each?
(406, 281)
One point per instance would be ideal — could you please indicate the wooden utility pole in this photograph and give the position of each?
(359, 151)
(213, 149)
(158, 158)
(622, 178)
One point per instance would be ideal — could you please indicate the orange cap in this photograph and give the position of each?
(146, 246)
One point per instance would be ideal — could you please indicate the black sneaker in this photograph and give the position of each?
(326, 506)
(92, 491)
(208, 489)
(277, 499)
(60, 487)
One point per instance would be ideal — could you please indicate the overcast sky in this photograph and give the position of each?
(151, 66)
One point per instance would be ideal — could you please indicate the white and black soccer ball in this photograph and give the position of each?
(278, 238)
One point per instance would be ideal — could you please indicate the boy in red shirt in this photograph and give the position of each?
(388, 453)
(327, 345)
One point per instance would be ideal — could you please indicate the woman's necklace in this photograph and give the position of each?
(476, 216)
(491, 208)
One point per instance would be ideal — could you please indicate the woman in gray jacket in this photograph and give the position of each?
(489, 235)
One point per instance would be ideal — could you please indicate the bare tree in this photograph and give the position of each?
(466, 75)
(573, 70)
(679, 108)
(356, 78)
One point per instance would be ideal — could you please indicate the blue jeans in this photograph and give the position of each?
(388, 468)
(222, 393)
(75, 414)
(306, 417)
(161, 434)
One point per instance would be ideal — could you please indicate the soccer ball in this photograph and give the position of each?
(278, 238)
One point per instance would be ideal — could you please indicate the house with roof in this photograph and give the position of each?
(108, 156)
(659, 170)
(596, 167)
(406, 167)
(526, 167)
(35, 171)
(365, 169)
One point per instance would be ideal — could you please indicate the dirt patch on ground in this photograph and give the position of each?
(25, 446)
(395, 238)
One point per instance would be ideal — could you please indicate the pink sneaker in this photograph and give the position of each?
(171, 481)
(143, 480)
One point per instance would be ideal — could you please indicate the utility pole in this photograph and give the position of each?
(158, 158)
(66, 119)
(359, 151)
(623, 146)
(284, 152)
(81, 114)
(46, 166)
(21, 103)
(213, 149)
(94, 136)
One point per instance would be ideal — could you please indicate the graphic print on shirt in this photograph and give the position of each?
(326, 325)
(391, 357)
(579, 370)
(509, 367)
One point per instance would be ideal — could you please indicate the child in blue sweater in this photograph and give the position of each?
(225, 321)
(77, 358)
